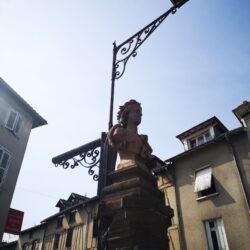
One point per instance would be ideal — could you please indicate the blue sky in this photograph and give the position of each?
(57, 55)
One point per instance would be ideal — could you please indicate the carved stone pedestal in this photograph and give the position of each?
(133, 212)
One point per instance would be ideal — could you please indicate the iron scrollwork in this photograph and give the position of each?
(128, 49)
(87, 156)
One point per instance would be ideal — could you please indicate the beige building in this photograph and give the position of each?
(208, 186)
(73, 227)
(31, 238)
(17, 118)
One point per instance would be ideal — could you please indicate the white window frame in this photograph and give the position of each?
(204, 138)
(220, 234)
(14, 128)
(6, 168)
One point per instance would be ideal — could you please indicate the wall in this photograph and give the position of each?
(241, 147)
(82, 229)
(230, 203)
(16, 145)
(31, 235)
(165, 183)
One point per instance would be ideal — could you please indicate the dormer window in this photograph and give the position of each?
(202, 133)
(201, 139)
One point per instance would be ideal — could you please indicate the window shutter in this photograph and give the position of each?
(11, 120)
(1, 175)
(1, 153)
(203, 179)
(18, 123)
(4, 161)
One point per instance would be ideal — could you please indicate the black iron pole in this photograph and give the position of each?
(129, 47)
(112, 87)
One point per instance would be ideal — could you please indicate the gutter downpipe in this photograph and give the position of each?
(180, 221)
(239, 172)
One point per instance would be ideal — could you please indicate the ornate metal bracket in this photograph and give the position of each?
(128, 48)
(88, 156)
(123, 52)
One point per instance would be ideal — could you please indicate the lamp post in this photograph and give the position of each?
(123, 52)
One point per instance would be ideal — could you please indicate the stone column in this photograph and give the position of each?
(133, 211)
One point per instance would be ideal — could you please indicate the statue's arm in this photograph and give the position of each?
(119, 135)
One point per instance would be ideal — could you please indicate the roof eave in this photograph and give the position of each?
(38, 120)
(210, 121)
(221, 137)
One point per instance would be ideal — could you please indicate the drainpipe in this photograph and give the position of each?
(179, 214)
(238, 169)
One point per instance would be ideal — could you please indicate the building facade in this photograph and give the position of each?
(208, 186)
(73, 227)
(17, 119)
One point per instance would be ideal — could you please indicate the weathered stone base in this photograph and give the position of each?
(134, 212)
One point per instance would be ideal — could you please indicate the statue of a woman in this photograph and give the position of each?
(132, 148)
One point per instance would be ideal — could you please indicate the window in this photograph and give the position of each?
(13, 122)
(216, 236)
(95, 228)
(200, 139)
(56, 242)
(69, 237)
(204, 182)
(26, 246)
(35, 244)
(4, 164)
(208, 136)
(72, 216)
(60, 221)
(193, 143)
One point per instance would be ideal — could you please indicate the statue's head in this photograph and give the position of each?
(130, 112)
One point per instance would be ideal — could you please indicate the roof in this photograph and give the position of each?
(219, 138)
(8, 245)
(37, 119)
(32, 228)
(83, 203)
(77, 196)
(62, 202)
(69, 202)
(242, 110)
(212, 121)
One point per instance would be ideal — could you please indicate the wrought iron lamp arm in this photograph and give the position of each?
(128, 48)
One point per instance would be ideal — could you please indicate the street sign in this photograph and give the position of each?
(14, 221)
